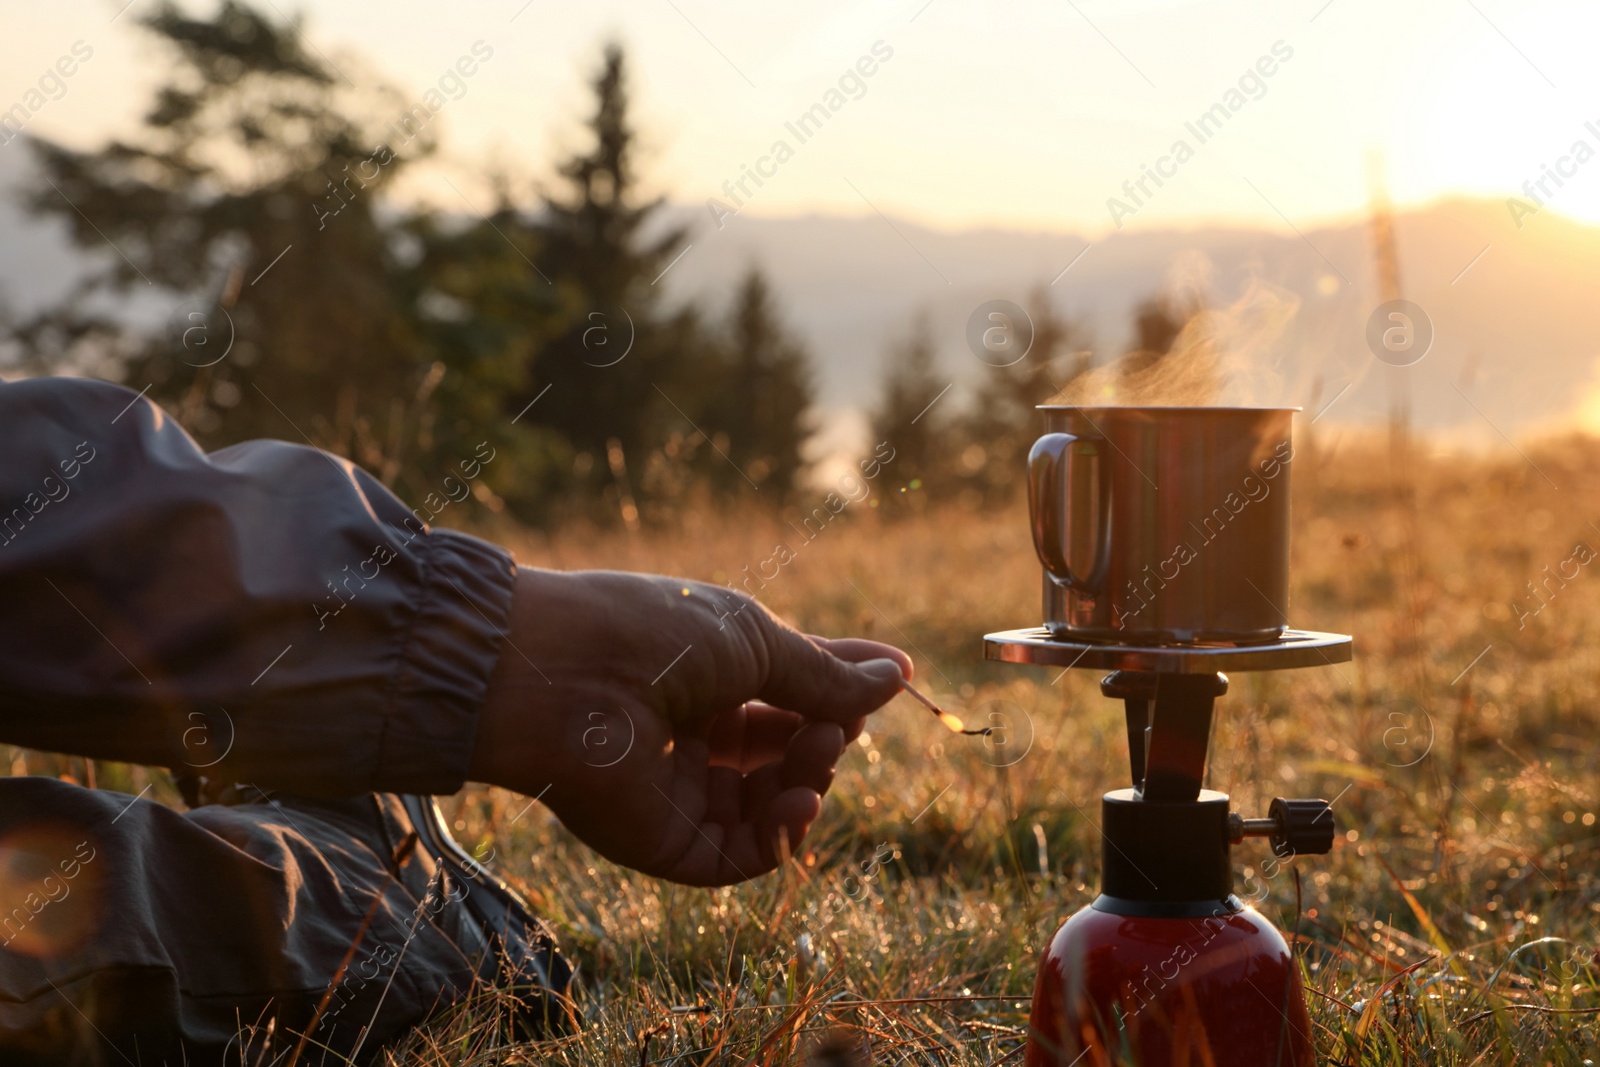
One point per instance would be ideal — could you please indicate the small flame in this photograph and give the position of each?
(952, 722)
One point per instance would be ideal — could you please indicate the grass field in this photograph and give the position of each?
(1454, 923)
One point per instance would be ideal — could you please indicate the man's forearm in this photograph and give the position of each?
(268, 601)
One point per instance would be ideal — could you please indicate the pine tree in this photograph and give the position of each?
(1002, 424)
(909, 418)
(613, 372)
(250, 195)
(760, 397)
(247, 199)
(481, 309)
(1156, 325)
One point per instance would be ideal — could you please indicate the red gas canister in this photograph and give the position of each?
(1167, 966)
(1151, 990)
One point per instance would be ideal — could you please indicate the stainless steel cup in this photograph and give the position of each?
(1163, 525)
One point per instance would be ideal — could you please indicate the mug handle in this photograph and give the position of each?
(1050, 467)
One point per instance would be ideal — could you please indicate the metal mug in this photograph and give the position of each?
(1163, 525)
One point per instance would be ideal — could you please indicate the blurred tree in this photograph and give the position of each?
(757, 398)
(250, 200)
(250, 190)
(910, 419)
(482, 309)
(995, 434)
(615, 375)
(1157, 322)
(247, 204)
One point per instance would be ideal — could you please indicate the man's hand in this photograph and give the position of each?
(676, 727)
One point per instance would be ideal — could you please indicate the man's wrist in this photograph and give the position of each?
(517, 703)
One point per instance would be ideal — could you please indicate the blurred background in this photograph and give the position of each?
(719, 247)
(765, 295)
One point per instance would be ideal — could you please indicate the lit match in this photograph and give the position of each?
(953, 722)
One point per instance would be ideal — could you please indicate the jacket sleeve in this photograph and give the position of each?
(267, 613)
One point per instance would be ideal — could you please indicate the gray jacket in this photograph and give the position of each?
(267, 613)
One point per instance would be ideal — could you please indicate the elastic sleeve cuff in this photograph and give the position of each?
(448, 653)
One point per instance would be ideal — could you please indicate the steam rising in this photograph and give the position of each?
(1223, 356)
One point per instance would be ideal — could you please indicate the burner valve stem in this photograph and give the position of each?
(1294, 827)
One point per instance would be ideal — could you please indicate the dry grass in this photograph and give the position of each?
(1454, 923)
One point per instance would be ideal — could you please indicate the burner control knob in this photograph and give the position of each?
(1301, 827)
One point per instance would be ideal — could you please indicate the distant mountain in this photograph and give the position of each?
(1515, 312)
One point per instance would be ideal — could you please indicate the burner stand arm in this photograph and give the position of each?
(1167, 741)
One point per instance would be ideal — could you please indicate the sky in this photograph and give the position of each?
(1016, 114)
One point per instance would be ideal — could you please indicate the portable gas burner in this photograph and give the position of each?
(1164, 537)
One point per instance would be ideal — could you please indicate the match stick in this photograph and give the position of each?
(954, 723)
